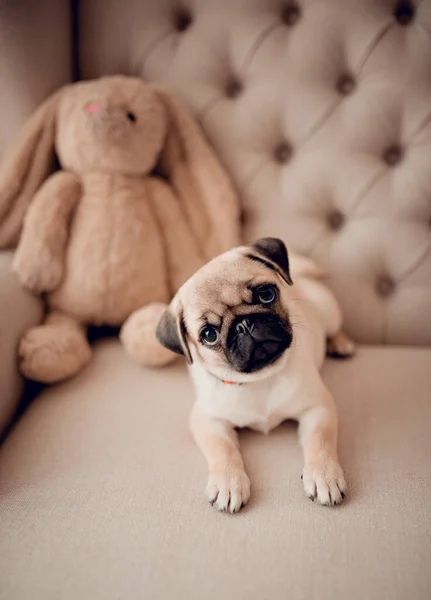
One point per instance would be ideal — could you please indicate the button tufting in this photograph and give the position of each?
(335, 220)
(233, 87)
(385, 286)
(182, 19)
(283, 153)
(346, 84)
(393, 155)
(290, 14)
(404, 12)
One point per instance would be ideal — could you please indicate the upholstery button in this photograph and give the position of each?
(335, 220)
(393, 155)
(290, 14)
(283, 153)
(404, 12)
(346, 84)
(182, 19)
(233, 88)
(385, 286)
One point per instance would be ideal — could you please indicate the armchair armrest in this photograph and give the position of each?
(19, 311)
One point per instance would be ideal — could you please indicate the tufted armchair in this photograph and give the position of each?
(321, 112)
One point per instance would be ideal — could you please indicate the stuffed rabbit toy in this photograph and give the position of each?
(107, 242)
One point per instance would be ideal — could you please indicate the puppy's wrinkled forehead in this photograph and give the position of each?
(224, 282)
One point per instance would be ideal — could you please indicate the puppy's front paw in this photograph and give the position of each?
(324, 481)
(228, 491)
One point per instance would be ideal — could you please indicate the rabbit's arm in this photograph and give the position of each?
(39, 259)
(183, 255)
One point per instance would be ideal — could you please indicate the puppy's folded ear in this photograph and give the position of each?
(272, 253)
(172, 332)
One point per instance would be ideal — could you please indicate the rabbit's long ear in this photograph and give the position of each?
(202, 185)
(25, 167)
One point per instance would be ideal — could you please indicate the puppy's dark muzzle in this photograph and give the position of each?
(255, 341)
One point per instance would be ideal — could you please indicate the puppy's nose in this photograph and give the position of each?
(243, 326)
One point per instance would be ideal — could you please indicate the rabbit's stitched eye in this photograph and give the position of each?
(131, 117)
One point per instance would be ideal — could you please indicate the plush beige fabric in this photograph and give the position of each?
(19, 310)
(321, 112)
(103, 237)
(101, 493)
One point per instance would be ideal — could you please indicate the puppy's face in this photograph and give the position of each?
(231, 316)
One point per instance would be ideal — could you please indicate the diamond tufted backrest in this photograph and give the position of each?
(321, 112)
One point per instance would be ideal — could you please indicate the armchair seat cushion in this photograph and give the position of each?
(101, 493)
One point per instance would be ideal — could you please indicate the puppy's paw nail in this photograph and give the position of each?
(324, 481)
(228, 491)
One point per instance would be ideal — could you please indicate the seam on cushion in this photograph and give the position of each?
(250, 178)
(373, 45)
(324, 117)
(357, 72)
(153, 47)
(368, 186)
(409, 139)
(175, 44)
(416, 264)
(415, 133)
(423, 27)
(208, 106)
(417, 24)
(263, 35)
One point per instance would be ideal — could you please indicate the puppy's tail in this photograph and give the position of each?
(302, 266)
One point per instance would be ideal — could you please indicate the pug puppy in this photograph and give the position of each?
(254, 341)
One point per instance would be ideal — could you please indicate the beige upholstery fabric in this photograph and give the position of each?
(321, 110)
(35, 58)
(18, 311)
(101, 493)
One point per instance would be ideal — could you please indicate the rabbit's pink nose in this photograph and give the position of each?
(93, 107)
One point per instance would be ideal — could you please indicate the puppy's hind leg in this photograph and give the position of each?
(228, 486)
(340, 346)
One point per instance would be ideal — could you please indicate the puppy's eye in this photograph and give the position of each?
(132, 117)
(209, 335)
(266, 294)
